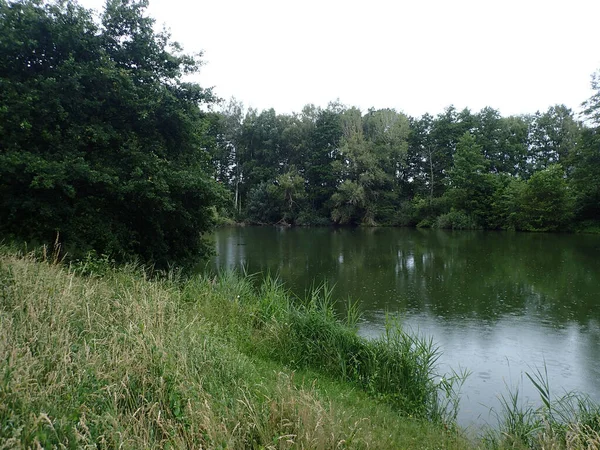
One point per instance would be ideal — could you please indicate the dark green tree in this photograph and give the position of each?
(373, 149)
(503, 140)
(592, 105)
(469, 182)
(546, 200)
(507, 200)
(322, 151)
(585, 176)
(228, 153)
(102, 142)
(585, 161)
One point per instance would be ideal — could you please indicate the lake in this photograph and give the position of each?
(496, 303)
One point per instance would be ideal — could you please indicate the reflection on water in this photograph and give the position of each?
(497, 304)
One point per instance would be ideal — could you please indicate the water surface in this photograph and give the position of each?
(497, 303)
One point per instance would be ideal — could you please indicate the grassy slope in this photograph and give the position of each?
(122, 362)
(119, 361)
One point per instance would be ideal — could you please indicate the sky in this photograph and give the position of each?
(417, 56)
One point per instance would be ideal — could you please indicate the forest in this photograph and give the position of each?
(458, 169)
(107, 144)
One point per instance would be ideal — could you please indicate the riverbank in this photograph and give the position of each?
(98, 356)
(585, 227)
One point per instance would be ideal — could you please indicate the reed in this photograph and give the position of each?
(568, 421)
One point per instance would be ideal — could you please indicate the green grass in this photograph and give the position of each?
(93, 356)
(124, 361)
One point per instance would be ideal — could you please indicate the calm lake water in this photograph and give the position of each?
(497, 304)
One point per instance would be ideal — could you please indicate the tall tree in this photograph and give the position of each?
(546, 202)
(553, 137)
(470, 186)
(592, 105)
(322, 151)
(503, 140)
(447, 129)
(585, 160)
(102, 141)
(373, 150)
(229, 151)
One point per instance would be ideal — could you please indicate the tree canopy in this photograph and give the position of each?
(458, 169)
(102, 141)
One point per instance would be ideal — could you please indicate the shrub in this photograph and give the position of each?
(456, 220)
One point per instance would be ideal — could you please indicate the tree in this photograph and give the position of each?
(322, 151)
(507, 200)
(585, 160)
(102, 142)
(592, 106)
(260, 147)
(585, 176)
(547, 204)
(228, 152)
(373, 149)
(387, 133)
(470, 185)
(291, 194)
(357, 171)
(503, 140)
(553, 137)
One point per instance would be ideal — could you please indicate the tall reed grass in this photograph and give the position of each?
(399, 368)
(568, 421)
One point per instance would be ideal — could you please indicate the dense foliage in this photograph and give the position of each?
(456, 170)
(104, 146)
(102, 142)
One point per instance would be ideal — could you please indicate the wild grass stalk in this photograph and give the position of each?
(570, 421)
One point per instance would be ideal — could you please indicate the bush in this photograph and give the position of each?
(263, 204)
(547, 203)
(426, 210)
(312, 219)
(406, 215)
(456, 220)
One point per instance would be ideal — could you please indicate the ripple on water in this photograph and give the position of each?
(484, 375)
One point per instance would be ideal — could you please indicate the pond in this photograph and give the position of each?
(497, 303)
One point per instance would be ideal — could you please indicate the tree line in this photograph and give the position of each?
(105, 145)
(458, 169)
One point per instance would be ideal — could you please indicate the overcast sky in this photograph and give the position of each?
(416, 56)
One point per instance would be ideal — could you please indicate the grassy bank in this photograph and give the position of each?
(121, 361)
(94, 357)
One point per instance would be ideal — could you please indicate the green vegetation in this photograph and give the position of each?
(106, 149)
(102, 142)
(571, 421)
(458, 170)
(120, 360)
(105, 146)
